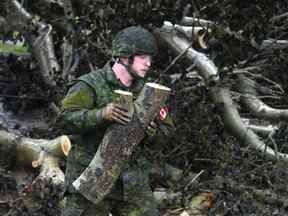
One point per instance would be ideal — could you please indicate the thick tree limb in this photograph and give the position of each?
(255, 105)
(43, 50)
(279, 17)
(234, 124)
(195, 33)
(191, 21)
(263, 130)
(118, 145)
(41, 43)
(70, 56)
(273, 44)
(170, 37)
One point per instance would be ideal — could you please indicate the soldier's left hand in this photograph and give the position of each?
(115, 113)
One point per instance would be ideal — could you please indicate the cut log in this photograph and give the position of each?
(118, 145)
(41, 153)
(125, 99)
(50, 178)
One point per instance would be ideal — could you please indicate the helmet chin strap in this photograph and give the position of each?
(129, 68)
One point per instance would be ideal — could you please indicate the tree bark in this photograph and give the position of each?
(118, 145)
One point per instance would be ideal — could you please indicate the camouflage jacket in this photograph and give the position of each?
(89, 93)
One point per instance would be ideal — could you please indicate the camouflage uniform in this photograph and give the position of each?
(131, 195)
(92, 92)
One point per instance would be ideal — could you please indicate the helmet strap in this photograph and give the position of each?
(129, 67)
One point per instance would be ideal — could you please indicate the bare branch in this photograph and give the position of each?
(43, 49)
(255, 105)
(279, 17)
(234, 124)
(273, 44)
(263, 130)
(191, 21)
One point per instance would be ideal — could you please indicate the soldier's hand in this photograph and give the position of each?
(115, 113)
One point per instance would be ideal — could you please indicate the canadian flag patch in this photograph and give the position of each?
(163, 113)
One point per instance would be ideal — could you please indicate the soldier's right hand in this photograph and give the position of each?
(115, 113)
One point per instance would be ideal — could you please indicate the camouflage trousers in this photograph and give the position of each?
(132, 196)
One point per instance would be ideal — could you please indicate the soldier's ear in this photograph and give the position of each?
(131, 59)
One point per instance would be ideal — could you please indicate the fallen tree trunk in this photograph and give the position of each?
(118, 145)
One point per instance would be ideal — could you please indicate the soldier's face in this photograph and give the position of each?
(141, 64)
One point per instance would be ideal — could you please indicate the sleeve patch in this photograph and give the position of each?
(163, 113)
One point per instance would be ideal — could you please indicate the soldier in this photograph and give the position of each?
(88, 109)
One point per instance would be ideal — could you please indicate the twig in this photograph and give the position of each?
(194, 179)
(277, 18)
(255, 169)
(174, 61)
(274, 144)
(245, 71)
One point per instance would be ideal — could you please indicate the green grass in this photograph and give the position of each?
(13, 49)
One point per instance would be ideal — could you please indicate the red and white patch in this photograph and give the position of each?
(163, 113)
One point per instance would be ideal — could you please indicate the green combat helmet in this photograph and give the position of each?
(131, 41)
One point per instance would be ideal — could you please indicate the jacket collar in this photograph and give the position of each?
(114, 82)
